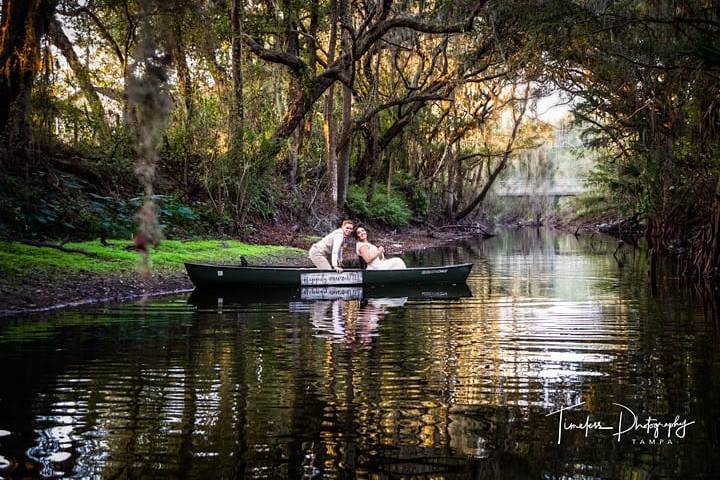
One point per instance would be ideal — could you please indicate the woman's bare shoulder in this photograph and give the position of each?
(360, 245)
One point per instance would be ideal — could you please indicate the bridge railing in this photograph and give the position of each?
(565, 187)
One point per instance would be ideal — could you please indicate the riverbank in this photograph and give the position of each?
(35, 278)
(628, 229)
(38, 278)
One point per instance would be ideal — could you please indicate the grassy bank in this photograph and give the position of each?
(33, 278)
(17, 259)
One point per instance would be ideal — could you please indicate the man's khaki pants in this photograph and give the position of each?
(320, 261)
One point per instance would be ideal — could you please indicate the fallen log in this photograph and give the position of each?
(475, 228)
(34, 243)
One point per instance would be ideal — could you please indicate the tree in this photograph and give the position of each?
(646, 79)
(56, 33)
(24, 22)
(378, 22)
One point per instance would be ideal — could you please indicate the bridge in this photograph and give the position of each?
(565, 187)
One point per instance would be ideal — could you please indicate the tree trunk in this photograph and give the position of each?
(517, 119)
(460, 175)
(364, 167)
(23, 24)
(313, 88)
(185, 85)
(344, 154)
(292, 46)
(329, 124)
(62, 42)
(237, 122)
(708, 263)
(238, 167)
(451, 193)
(486, 188)
(388, 185)
(207, 51)
(312, 47)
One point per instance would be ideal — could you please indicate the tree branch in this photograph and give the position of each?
(57, 34)
(104, 33)
(56, 246)
(293, 62)
(111, 93)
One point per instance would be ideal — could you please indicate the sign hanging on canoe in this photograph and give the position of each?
(331, 278)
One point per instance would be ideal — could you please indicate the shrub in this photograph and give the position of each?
(415, 193)
(356, 202)
(391, 210)
(261, 197)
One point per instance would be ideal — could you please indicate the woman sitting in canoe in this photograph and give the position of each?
(374, 256)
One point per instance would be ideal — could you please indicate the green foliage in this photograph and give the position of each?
(110, 217)
(391, 210)
(175, 217)
(192, 142)
(623, 182)
(656, 127)
(72, 208)
(51, 202)
(414, 191)
(261, 198)
(356, 202)
(591, 207)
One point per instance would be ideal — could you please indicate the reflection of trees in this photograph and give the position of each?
(240, 398)
(708, 293)
(307, 404)
(185, 452)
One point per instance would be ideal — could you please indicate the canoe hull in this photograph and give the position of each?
(229, 276)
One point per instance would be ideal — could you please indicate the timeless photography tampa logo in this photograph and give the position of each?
(647, 431)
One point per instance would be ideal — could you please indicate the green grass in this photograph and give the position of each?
(18, 259)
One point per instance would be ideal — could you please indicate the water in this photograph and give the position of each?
(429, 383)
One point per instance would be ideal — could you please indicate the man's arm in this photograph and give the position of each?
(336, 257)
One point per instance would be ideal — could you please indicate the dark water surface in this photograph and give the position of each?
(429, 383)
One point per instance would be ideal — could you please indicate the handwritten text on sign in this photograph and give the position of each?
(331, 293)
(331, 278)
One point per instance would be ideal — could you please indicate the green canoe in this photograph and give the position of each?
(229, 276)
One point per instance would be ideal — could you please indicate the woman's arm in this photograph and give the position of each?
(366, 255)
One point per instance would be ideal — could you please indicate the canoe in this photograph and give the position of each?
(229, 276)
(248, 295)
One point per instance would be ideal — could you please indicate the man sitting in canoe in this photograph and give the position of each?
(331, 246)
(374, 257)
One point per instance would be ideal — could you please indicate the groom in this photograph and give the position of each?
(331, 246)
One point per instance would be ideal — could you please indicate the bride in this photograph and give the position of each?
(375, 256)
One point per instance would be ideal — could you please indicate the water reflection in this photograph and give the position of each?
(212, 298)
(351, 321)
(421, 383)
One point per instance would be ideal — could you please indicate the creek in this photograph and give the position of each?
(441, 382)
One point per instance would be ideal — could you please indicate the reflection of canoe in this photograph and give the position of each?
(225, 275)
(249, 295)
